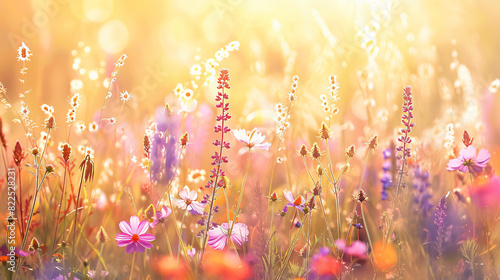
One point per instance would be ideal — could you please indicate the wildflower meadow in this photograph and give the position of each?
(235, 139)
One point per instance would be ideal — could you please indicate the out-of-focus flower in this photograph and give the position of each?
(171, 268)
(252, 139)
(493, 88)
(189, 201)
(296, 203)
(487, 191)
(356, 249)
(191, 252)
(93, 274)
(161, 216)
(134, 235)
(225, 266)
(468, 161)
(217, 236)
(323, 264)
(195, 176)
(385, 257)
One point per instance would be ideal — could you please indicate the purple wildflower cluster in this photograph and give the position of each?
(421, 195)
(218, 158)
(404, 139)
(386, 179)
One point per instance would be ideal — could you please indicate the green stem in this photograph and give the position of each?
(32, 210)
(367, 231)
(237, 213)
(290, 250)
(180, 233)
(168, 240)
(132, 267)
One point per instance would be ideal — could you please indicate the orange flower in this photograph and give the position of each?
(326, 265)
(225, 266)
(385, 257)
(169, 268)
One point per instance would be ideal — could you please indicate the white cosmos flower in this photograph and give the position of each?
(252, 138)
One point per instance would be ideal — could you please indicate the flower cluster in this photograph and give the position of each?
(386, 179)
(283, 112)
(74, 102)
(218, 158)
(329, 105)
(404, 139)
(421, 195)
(406, 120)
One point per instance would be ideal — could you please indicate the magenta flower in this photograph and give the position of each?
(217, 236)
(189, 201)
(161, 216)
(298, 203)
(468, 160)
(134, 235)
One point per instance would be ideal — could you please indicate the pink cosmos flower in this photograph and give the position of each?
(217, 236)
(161, 216)
(298, 203)
(252, 138)
(134, 235)
(189, 201)
(356, 249)
(468, 160)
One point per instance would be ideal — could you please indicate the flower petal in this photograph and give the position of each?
(288, 195)
(147, 237)
(454, 164)
(183, 193)
(145, 244)
(193, 195)
(196, 208)
(217, 239)
(264, 146)
(134, 247)
(166, 211)
(482, 157)
(240, 233)
(240, 135)
(468, 153)
(134, 224)
(125, 227)
(143, 227)
(180, 203)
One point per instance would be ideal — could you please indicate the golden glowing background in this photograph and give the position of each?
(311, 39)
(447, 51)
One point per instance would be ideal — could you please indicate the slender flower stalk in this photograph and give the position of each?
(180, 234)
(237, 212)
(405, 139)
(66, 153)
(132, 267)
(38, 184)
(87, 169)
(218, 158)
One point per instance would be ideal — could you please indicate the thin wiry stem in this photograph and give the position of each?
(237, 213)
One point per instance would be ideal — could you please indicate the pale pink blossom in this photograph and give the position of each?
(218, 235)
(188, 200)
(252, 138)
(468, 160)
